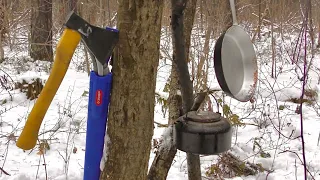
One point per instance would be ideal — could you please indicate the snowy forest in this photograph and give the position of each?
(161, 58)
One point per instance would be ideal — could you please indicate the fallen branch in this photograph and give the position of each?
(5, 172)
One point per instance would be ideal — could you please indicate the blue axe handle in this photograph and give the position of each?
(99, 99)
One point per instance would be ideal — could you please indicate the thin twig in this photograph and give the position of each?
(5, 157)
(38, 167)
(303, 89)
(307, 170)
(45, 166)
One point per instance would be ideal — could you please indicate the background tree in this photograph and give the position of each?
(72, 5)
(41, 30)
(3, 25)
(163, 160)
(130, 121)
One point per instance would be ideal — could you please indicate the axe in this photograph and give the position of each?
(100, 43)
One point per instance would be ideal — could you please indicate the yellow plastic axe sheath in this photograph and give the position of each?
(64, 52)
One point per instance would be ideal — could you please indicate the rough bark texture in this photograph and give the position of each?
(179, 58)
(318, 46)
(201, 80)
(72, 6)
(163, 160)
(164, 157)
(41, 30)
(188, 20)
(178, 40)
(131, 113)
(3, 26)
(3, 15)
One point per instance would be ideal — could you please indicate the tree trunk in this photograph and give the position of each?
(178, 39)
(102, 12)
(229, 21)
(164, 157)
(260, 20)
(194, 171)
(273, 43)
(311, 28)
(72, 6)
(188, 20)
(200, 78)
(318, 46)
(3, 26)
(130, 121)
(41, 30)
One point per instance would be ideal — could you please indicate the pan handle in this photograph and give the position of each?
(233, 12)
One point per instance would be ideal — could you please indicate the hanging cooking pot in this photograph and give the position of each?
(235, 61)
(205, 133)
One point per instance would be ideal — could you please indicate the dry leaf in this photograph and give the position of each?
(74, 150)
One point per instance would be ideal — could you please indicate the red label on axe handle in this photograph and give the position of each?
(98, 97)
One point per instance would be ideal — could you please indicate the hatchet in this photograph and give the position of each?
(100, 43)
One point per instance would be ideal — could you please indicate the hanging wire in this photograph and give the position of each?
(217, 103)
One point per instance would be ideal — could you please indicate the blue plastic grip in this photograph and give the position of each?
(99, 99)
(112, 29)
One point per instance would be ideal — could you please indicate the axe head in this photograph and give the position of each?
(99, 41)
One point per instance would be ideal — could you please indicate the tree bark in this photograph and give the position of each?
(41, 30)
(72, 6)
(131, 113)
(200, 78)
(178, 39)
(102, 12)
(318, 46)
(273, 43)
(164, 157)
(3, 26)
(188, 20)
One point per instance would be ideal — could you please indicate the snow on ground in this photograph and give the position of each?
(65, 123)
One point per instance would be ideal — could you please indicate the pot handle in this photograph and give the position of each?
(233, 12)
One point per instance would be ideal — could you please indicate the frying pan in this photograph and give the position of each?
(235, 61)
